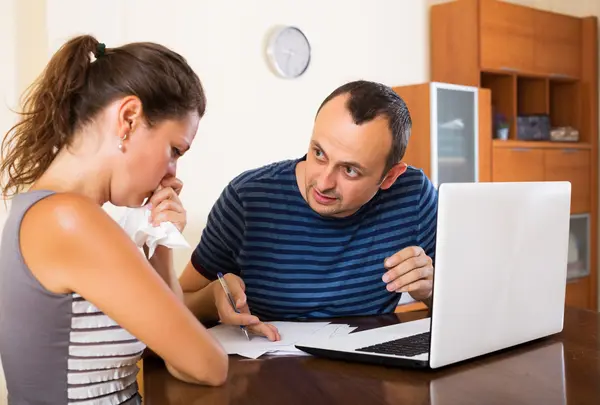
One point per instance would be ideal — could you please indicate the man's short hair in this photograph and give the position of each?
(369, 100)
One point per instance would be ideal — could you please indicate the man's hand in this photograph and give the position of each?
(228, 316)
(410, 270)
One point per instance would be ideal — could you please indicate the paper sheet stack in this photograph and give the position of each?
(234, 341)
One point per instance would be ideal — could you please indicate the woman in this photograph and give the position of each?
(78, 301)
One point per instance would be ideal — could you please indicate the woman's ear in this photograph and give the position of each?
(129, 116)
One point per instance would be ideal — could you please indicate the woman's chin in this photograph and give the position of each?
(133, 201)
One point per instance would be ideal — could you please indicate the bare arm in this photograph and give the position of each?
(81, 249)
(162, 261)
(207, 301)
(197, 294)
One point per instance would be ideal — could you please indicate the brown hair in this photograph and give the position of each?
(368, 100)
(74, 88)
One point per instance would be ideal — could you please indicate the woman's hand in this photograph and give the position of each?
(166, 206)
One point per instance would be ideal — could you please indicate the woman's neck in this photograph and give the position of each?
(77, 172)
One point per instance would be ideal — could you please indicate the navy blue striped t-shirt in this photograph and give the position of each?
(298, 264)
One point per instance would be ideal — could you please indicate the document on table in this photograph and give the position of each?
(234, 341)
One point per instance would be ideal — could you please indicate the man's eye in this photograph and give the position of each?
(177, 152)
(351, 172)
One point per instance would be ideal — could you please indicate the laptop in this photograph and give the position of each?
(499, 279)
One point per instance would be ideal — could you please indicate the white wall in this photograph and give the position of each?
(253, 117)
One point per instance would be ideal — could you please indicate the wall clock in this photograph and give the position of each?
(288, 52)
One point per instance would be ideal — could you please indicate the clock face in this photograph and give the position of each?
(289, 52)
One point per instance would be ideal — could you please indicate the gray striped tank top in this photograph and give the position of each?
(58, 348)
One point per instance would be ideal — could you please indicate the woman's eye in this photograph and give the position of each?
(176, 152)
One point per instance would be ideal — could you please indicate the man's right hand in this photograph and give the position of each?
(228, 316)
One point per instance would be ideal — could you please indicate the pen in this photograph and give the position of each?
(224, 285)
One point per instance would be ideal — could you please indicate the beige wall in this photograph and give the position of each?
(253, 117)
(22, 55)
(8, 65)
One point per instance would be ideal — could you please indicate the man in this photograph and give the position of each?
(342, 231)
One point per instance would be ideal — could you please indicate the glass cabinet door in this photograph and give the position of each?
(454, 129)
(578, 264)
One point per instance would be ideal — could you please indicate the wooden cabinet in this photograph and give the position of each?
(518, 164)
(507, 36)
(571, 165)
(546, 161)
(526, 40)
(537, 163)
(578, 293)
(533, 61)
(450, 138)
(499, 36)
(557, 50)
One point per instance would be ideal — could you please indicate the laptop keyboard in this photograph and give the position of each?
(409, 346)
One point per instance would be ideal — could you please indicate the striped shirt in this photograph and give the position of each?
(298, 264)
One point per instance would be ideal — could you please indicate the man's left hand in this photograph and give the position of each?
(410, 270)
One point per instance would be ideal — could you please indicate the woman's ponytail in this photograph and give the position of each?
(48, 119)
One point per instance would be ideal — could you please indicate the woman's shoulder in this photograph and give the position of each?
(64, 214)
(63, 234)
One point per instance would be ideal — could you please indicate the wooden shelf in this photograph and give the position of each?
(519, 73)
(540, 144)
(531, 75)
(503, 88)
(532, 96)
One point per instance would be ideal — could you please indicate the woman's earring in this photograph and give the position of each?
(121, 142)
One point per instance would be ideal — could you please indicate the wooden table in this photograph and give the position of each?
(561, 369)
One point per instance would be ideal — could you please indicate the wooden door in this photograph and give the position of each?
(417, 98)
(517, 164)
(507, 36)
(571, 165)
(557, 44)
(578, 293)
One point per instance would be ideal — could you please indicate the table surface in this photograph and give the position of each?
(560, 369)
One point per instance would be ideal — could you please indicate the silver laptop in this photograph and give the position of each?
(499, 281)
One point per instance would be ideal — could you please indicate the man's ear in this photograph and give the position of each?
(396, 171)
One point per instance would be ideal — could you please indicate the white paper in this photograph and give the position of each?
(135, 222)
(234, 341)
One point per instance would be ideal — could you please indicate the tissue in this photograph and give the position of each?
(135, 222)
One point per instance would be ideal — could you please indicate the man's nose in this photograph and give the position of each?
(326, 180)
